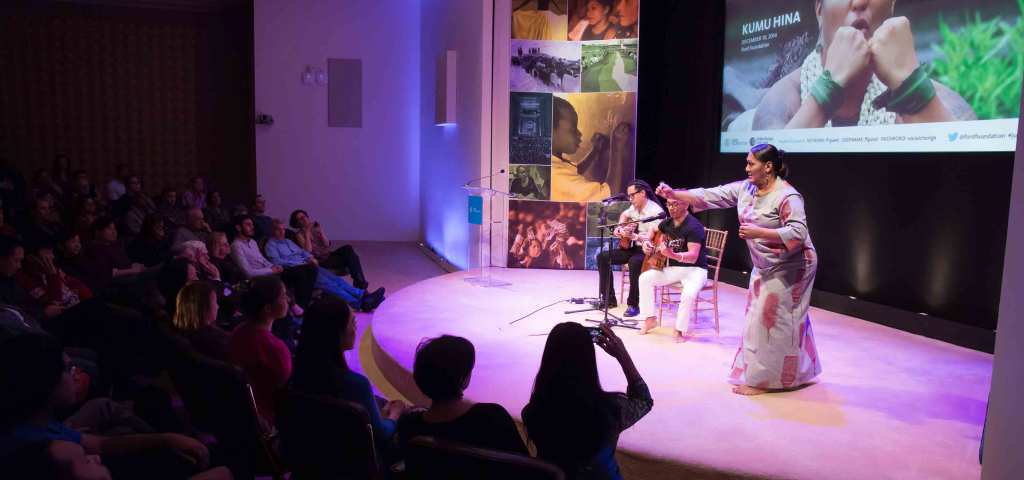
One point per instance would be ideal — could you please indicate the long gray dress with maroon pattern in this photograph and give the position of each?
(777, 349)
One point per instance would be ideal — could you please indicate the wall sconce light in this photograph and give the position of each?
(444, 105)
(314, 76)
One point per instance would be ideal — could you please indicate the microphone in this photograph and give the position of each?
(615, 198)
(485, 177)
(660, 216)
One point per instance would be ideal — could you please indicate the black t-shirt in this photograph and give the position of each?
(485, 425)
(691, 231)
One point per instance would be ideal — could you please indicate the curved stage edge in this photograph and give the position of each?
(889, 404)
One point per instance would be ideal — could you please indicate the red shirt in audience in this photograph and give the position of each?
(266, 361)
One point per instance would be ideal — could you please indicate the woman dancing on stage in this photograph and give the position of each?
(777, 350)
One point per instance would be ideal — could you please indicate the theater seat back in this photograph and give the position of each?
(431, 458)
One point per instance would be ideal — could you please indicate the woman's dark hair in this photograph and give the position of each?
(442, 366)
(31, 366)
(568, 417)
(766, 152)
(260, 292)
(172, 277)
(101, 223)
(319, 360)
(609, 4)
(293, 219)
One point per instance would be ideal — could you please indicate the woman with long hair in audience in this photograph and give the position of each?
(195, 318)
(264, 358)
(328, 330)
(311, 237)
(442, 371)
(152, 247)
(572, 420)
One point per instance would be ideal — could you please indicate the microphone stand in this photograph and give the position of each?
(609, 318)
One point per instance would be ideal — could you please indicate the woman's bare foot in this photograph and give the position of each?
(682, 337)
(748, 390)
(649, 325)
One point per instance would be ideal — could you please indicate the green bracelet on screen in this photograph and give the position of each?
(827, 93)
(912, 95)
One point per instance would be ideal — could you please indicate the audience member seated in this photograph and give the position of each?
(106, 260)
(263, 357)
(124, 340)
(43, 224)
(246, 254)
(134, 196)
(44, 185)
(258, 212)
(218, 217)
(195, 228)
(196, 252)
(220, 250)
(81, 188)
(139, 208)
(117, 186)
(151, 247)
(47, 284)
(286, 253)
(195, 196)
(310, 236)
(442, 371)
(69, 254)
(173, 276)
(169, 209)
(328, 330)
(195, 318)
(572, 421)
(35, 377)
(86, 213)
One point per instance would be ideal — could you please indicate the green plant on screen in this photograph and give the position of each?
(983, 61)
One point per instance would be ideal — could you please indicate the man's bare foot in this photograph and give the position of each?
(649, 325)
(682, 337)
(748, 390)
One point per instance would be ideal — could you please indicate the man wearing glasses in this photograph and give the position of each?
(643, 204)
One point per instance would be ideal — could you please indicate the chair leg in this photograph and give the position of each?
(714, 304)
(622, 284)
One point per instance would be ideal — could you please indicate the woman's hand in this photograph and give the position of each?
(664, 190)
(394, 409)
(749, 231)
(611, 343)
(189, 448)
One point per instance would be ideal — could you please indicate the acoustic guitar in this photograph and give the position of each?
(655, 260)
(625, 242)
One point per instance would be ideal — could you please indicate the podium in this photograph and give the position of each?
(482, 275)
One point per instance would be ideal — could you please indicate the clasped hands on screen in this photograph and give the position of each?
(889, 54)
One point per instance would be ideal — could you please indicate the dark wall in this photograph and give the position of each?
(167, 92)
(918, 232)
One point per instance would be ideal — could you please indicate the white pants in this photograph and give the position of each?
(691, 281)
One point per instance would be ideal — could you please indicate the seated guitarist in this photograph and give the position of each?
(643, 204)
(687, 267)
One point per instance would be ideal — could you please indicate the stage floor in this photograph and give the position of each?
(889, 404)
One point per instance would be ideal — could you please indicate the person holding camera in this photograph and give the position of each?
(574, 423)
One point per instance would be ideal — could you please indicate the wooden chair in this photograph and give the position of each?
(714, 248)
(430, 458)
